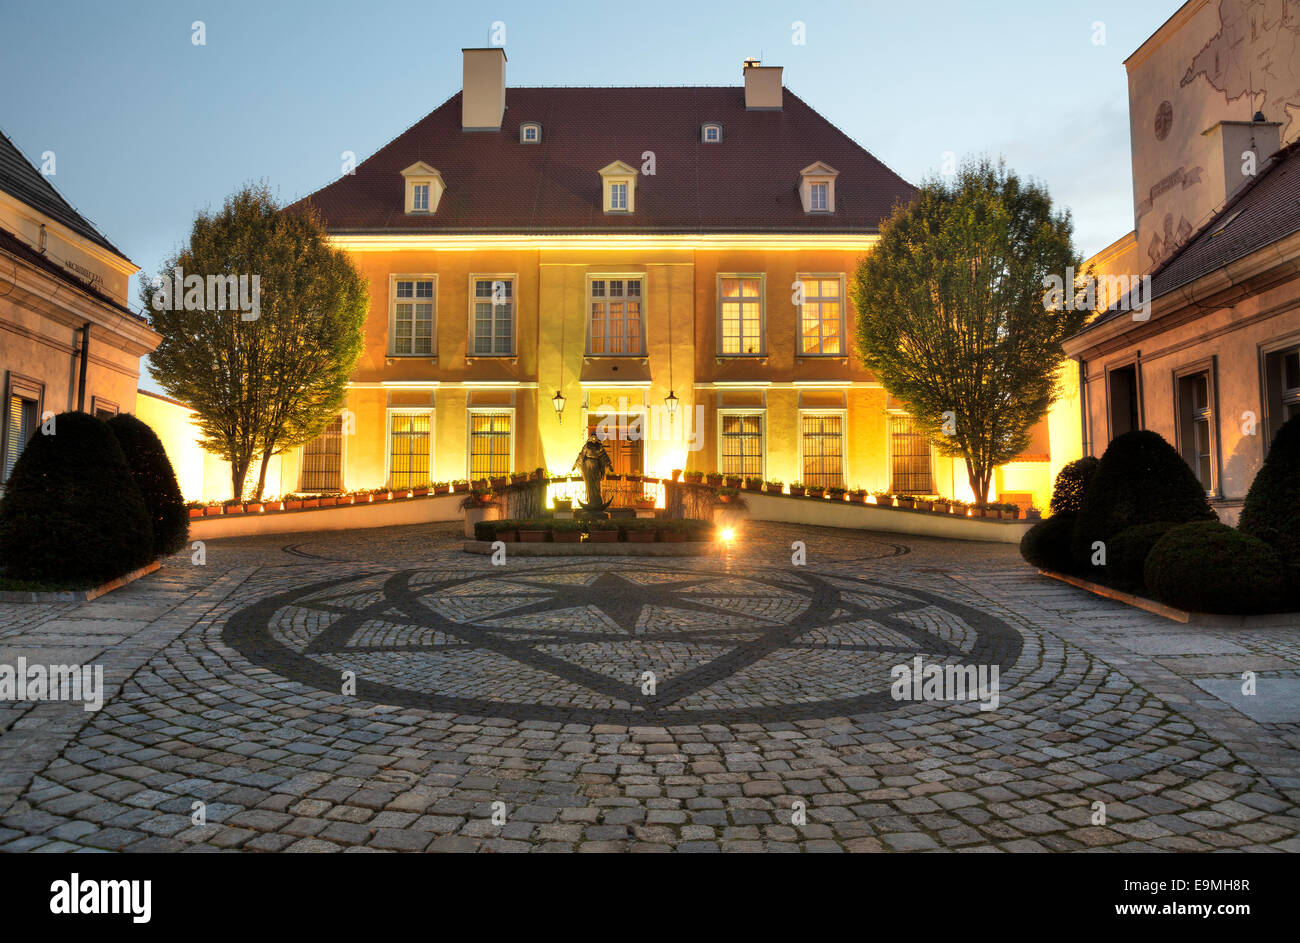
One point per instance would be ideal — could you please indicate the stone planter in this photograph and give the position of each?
(566, 536)
(604, 536)
(532, 536)
(640, 536)
(476, 515)
(507, 536)
(671, 537)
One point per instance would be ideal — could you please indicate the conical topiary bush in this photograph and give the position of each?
(154, 476)
(1272, 509)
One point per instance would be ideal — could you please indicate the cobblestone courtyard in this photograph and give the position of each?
(522, 690)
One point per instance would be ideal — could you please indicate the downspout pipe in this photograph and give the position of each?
(1083, 405)
(85, 357)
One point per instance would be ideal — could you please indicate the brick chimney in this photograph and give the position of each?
(1239, 149)
(483, 95)
(762, 86)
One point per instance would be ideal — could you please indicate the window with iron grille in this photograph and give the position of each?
(823, 451)
(408, 449)
(742, 444)
(740, 315)
(821, 317)
(412, 320)
(489, 445)
(494, 316)
(911, 471)
(322, 460)
(615, 326)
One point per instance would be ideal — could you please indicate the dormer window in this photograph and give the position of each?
(424, 188)
(530, 132)
(618, 187)
(817, 188)
(711, 133)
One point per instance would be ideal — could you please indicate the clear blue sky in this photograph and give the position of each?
(149, 128)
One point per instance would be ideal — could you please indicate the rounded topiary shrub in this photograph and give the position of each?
(1272, 508)
(1126, 553)
(71, 513)
(1141, 480)
(1046, 545)
(1072, 484)
(153, 475)
(1211, 567)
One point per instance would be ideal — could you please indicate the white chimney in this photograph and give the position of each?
(483, 95)
(1239, 150)
(762, 86)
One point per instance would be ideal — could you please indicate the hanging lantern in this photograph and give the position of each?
(558, 402)
(671, 402)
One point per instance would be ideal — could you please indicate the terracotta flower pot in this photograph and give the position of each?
(328, 502)
(509, 536)
(640, 536)
(677, 473)
(816, 492)
(772, 489)
(460, 487)
(858, 499)
(715, 481)
(604, 536)
(798, 492)
(196, 512)
(419, 492)
(293, 505)
(671, 536)
(567, 536)
(440, 489)
(311, 502)
(532, 536)
(253, 508)
(905, 503)
(274, 505)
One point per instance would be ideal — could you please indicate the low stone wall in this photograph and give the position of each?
(684, 548)
(443, 507)
(827, 513)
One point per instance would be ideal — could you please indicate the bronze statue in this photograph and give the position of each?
(594, 462)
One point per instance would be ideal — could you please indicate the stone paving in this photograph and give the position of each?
(384, 691)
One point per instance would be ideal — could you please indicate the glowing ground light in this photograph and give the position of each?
(727, 535)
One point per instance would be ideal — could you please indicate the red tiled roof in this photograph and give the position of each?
(747, 183)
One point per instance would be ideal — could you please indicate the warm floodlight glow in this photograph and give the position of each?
(727, 535)
(558, 402)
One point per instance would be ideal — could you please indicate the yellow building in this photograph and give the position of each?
(68, 341)
(668, 266)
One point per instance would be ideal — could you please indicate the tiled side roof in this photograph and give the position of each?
(24, 182)
(1265, 210)
(746, 183)
(15, 246)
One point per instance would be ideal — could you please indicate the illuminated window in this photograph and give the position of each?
(740, 315)
(615, 328)
(411, 319)
(408, 449)
(821, 318)
(494, 316)
(742, 444)
(489, 444)
(322, 460)
(822, 448)
(909, 453)
(618, 196)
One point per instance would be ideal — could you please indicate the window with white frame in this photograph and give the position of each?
(411, 321)
(822, 448)
(741, 445)
(490, 444)
(530, 133)
(615, 326)
(1196, 426)
(740, 314)
(711, 133)
(494, 315)
(618, 197)
(420, 197)
(819, 197)
(821, 317)
(408, 448)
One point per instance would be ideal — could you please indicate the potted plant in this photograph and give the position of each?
(959, 507)
(292, 502)
(727, 495)
(671, 532)
(195, 508)
(924, 504)
(533, 532)
(441, 487)
(645, 502)
(774, 486)
(254, 508)
(1010, 512)
(941, 505)
(858, 496)
(816, 491)
(460, 485)
(714, 479)
(506, 530)
(883, 499)
(567, 532)
(276, 505)
(519, 477)
(602, 532)
(478, 506)
(422, 489)
(634, 477)
(753, 483)
(539, 473)
(693, 477)
(639, 532)
(906, 501)
(836, 493)
(734, 481)
(1033, 514)
(677, 474)
(214, 510)
(697, 530)
(797, 488)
